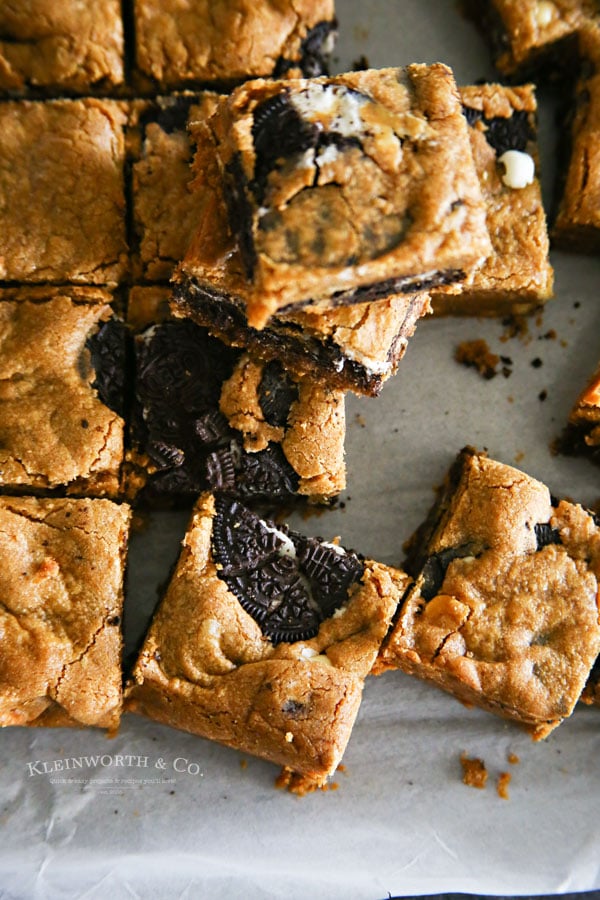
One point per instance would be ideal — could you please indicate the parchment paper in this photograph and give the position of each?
(156, 812)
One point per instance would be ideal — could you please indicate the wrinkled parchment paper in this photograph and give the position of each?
(156, 812)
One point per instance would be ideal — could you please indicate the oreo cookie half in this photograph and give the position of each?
(288, 583)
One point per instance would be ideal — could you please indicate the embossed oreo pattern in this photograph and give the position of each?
(177, 421)
(288, 583)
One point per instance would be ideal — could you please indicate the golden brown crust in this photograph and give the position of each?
(205, 666)
(324, 239)
(509, 624)
(62, 595)
(72, 229)
(55, 431)
(517, 276)
(60, 44)
(214, 40)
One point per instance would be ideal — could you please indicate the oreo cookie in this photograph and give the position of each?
(288, 583)
(504, 132)
(435, 568)
(276, 393)
(108, 350)
(545, 534)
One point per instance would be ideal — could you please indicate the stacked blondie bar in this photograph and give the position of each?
(206, 240)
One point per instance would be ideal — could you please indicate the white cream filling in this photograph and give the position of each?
(335, 102)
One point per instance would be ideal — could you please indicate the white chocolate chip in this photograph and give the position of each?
(308, 652)
(519, 169)
(545, 13)
(289, 737)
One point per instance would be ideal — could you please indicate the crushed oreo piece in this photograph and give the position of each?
(276, 393)
(266, 474)
(278, 132)
(503, 133)
(108, 350)
(545, 534)
(314, 52)
(279, 576)
(435, 567)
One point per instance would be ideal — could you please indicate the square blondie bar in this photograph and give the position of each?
(62, 191)
(209, 417)
(62, 391)
(61, 582)
(527, 35)
(264, 638)
(577, 222)
(225, 41)
(517, 276)
(504, 612)
(356, 347)
(165, 211)
(347, 189)
(61, 46)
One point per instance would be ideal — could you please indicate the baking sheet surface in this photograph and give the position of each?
(156, 812)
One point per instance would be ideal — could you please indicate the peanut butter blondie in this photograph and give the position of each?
(529, 34)
(225, 41)
(581, 437)
(356, 347)
(62, 387)
(209, 417)
(164, 208)
(60, 46)
(347, 189)
(61, 577)
(504, 609)
(517, 276)
(264, 638)
(62, 195)
(577, 222)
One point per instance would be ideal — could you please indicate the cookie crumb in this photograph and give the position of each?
(474, 771)
(502, 785)
(477, 354)
(243, 764)
(513, 759)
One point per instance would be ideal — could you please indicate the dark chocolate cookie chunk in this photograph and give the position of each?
(504, 133)
(288, 583)
(435, 567)
(545, 534)
(314, 52)
(108, 350)
(276, 393)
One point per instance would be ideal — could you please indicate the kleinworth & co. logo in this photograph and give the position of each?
(113, 773)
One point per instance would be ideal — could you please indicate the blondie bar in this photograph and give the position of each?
(264, 638)
(165, 210)
(354, 347)
(529, 34)
(209, 417)
(577, 222)
(62, 196)
(225, 41)
(61, 577)
(517, 276)
(347, 189)
(62, 384)
(504, 609)
(61, 46)
(581, 437)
